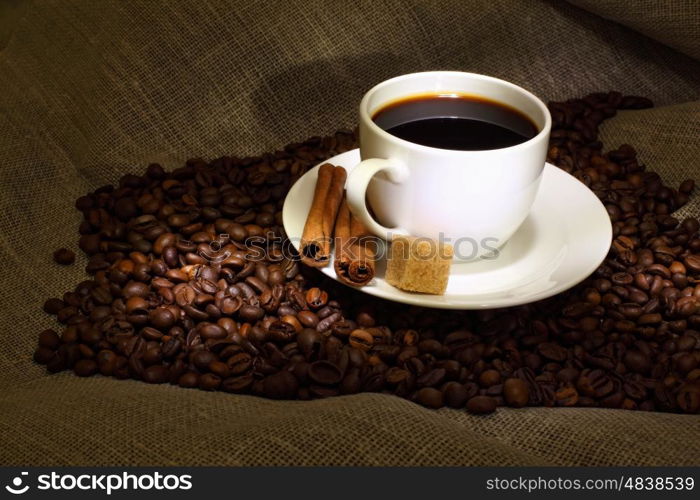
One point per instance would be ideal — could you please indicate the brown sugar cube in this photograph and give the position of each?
(419, 264)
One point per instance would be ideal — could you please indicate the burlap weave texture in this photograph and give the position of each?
(91, 90)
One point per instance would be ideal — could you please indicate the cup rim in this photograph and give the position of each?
(542, 134)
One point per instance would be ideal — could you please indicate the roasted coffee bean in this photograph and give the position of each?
(692, 262)
(687, 186)
(432, 378)
(326, 323)
(352, 382)
(455, 394)
(63, 256)
(319, 391)
(689, 398)
(595, 383)
(481, 405)
(566, 396)
(211, 331)
(637, 361)
(56, 364)
(361, 339)
(251, 313)
(280, 385)
(107, 362)
(201, 359)
(53, 306)
(49, 339)
(489, 378)
(551, 351)
(308, 318)
(156, 374)
(324, 373)
(209, 382)
(188, 380)
(161, 318)
(43, 355)
(396, 375)
(150, 333)
(516, 392)
(85, 367)
(430, 397)
(309, 341)
(240, 384)
(316, 298)
(239, 363)
(152, 355)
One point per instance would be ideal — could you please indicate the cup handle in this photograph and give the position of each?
(356, 189)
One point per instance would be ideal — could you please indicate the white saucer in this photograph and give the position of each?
(563, 240)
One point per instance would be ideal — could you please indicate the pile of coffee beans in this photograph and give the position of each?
(193, 284)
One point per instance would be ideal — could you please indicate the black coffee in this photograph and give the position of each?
(465, 123)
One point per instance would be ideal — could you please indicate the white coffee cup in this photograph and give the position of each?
(474, 200)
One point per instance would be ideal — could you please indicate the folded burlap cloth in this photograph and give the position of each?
(91, 90)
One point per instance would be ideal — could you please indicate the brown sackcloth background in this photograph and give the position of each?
(91, 90)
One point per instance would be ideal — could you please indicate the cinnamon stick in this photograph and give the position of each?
(355, 250)
(316, 239)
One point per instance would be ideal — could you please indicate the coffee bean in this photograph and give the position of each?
(361, 339)
(63, 256)
(489, 378)
(209, 382)
(324, 373)
(595, 383)
(552, 351)
(152, 355)
(308, 318)
(455, 395)
(516, 392)
(352, 383)
(161, 318)
(687, 186)
(56, 364)
(156, 374)
(396, 375)
(280, 385)
(211, 331)
(316, 298)
(240, 384)
(201, 359)
(219, 368)
(481, 405)
(637, 361)
(430, 397)
(85, 368)
(432, 378)
(135, 289)
(49, 339)
(239, 363)
(326, 323)
(251, 313)
(689, 398)
(692, 262)
(53, 306)
(566, 396)
(189, 380)
(309, 341)
(43, 355)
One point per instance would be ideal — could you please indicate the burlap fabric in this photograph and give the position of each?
(90, 90)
